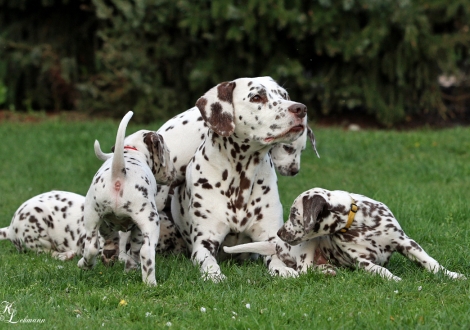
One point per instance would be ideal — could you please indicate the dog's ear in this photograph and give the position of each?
(311, 137)
(162, 167)
(314, 206)
(216, 107)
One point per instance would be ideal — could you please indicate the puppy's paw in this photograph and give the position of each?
(83, 264)
(456, 276)
(63, 256)
(214, 277)
(109, 257)
(284, 272)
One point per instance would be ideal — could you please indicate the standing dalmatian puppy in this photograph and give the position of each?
(51, 222)
(231, 184)
(122, 197)
(342, 229)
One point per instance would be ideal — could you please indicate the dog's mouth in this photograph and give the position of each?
(293, 130)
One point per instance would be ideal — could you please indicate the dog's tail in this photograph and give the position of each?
(263, 248)
(100, 154)
(118, 167)
(4, 233)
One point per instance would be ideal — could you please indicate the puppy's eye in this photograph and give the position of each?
(256, 99)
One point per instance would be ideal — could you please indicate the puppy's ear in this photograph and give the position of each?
(162, 167)
(311, 137)
(313, 207)
(216, 107)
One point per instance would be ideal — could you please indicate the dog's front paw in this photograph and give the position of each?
(329, 271)
(83, 264)
(150, 282)
(395, 278)
(284, 272)
(214, 277)
(63, 256)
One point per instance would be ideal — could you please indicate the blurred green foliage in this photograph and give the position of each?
(157, 57)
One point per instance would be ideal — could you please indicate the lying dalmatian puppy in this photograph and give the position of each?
(345, 230)
(231, 184)
(51, 222)
(122, 197)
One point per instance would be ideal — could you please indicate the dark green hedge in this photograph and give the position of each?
(157, 57)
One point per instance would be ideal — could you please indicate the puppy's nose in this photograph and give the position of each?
(298, 109)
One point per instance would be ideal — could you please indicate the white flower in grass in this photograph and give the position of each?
(60, 267)
(234, 313)
(248, 306)
(78, 315)
(420, 288)
(203, 309)
(168, 324)
(148, 314)
(396, 291)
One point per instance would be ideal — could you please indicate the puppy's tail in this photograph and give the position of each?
(4, 233)
(263, 248)
(118, 167)
(100, 154)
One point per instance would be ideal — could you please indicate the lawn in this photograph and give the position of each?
(423, 176)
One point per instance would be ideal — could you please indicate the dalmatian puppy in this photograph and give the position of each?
(122, 197)
(231, 184)
(51, 222)
(342, 229)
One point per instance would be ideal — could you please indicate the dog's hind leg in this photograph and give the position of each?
(150, 228)
(92, 244)
(132, 257)
(415, 252)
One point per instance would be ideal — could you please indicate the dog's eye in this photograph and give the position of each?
(256, 99)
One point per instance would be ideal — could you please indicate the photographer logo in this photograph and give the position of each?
(8, 315)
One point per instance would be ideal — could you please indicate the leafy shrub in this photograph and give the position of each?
(384, 57)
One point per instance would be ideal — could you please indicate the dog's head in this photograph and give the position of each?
(257, 109)
(157, 155)
(162, 165)
(310, 217)
(286, 156)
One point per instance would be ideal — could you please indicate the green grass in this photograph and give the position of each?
(423, 176)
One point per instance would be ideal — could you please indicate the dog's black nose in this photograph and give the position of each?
(299, 109)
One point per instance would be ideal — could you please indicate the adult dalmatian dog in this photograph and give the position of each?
(122, 197)
(51, 222)
(185, 132)
(231, 184)
(342, 229)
